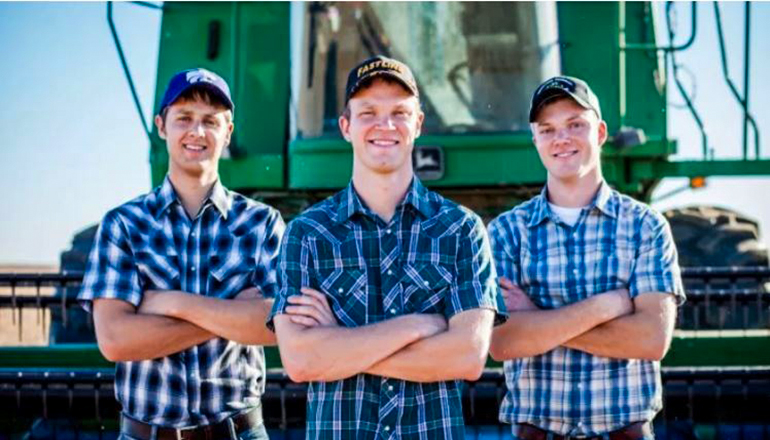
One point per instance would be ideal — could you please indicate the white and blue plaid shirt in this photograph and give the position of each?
(617, 242)
(151, 243)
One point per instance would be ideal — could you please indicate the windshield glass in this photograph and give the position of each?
(476, 64)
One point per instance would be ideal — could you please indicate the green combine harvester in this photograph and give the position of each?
(476, 65)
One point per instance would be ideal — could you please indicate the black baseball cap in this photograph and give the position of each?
(558, 86)
(186, 79)
(380, 66)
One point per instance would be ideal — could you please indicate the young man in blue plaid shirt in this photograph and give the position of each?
(387, 290)
(179, 282)
(591, 282)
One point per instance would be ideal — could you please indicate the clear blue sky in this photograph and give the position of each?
(73, 146)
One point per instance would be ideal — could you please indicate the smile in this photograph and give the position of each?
(192, 147)
(565, 154)
(383, 142)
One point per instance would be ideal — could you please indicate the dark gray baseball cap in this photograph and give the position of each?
(559, 86)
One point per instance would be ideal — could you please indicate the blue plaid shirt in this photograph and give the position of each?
(151, 243)
(617, 242)
(433, 257)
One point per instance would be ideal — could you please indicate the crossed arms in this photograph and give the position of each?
(170, 321)
(408, 347)
(610, 324)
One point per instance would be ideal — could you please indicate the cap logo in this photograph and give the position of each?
(379, 64)
(557, 83)
(197, 76)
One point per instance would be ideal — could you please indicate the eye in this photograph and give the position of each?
(547, 130)
(576, 125)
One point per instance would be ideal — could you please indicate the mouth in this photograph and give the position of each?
(194, 148)
(564, 154)
(383, 143)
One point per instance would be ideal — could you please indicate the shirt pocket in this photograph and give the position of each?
(426, 287)
(229, 276)
(346, 288)
(158, 272)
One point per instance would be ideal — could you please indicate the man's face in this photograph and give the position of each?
(196, 133)
(568, 138)
(384, 122)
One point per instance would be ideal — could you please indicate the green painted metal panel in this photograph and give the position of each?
(714, 350)
(253, 57)
(53, 356)
(695, 168)
(479, 160)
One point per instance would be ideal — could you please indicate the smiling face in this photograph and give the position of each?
(196, 133)
(568, 138)
(382, 122)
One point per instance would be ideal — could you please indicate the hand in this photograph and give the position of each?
(311, 309)
(430, 324)
(160, 302)
(249, 294)
(516, 300)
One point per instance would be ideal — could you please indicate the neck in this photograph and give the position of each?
(573, 193)
(382, 192)
(192, 190)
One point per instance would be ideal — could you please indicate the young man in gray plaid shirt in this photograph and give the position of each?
(591, 280)
(387, 290)
(179, 282)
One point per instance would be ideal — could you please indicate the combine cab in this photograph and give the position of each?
(476, 65)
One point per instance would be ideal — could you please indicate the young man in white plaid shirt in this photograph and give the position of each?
(591, 279)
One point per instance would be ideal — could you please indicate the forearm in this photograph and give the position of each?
(459, 353)
(239, 320)
(334, 353)
(533, 332)
(645, 334)
(138, 337)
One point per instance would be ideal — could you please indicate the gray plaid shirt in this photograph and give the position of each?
(433, 257)
(150, 243)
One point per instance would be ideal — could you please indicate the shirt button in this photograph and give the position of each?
(340, 290)
(575, 271)
(192, 268)
(392, 311)
(390, 272)
(192, 234)
(580, 386)
(387, 428)
(388, 232)
(426, 283)
(390, 387)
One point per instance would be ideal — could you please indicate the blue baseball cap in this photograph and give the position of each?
(559, 86)
(186, 79)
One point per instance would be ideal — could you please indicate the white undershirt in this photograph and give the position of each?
(567, 215)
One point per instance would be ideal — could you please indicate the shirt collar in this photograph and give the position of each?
(416, 196)
(218, 196)
(603, 201)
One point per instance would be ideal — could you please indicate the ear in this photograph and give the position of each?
(602, 133)
(420, 120)
(230, 128)
(344, 124)
(161, 127)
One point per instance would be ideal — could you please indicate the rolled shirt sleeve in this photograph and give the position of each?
(292, 271)
(656, 268)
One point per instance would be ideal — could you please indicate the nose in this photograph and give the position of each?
(197, 129)
(386, 121)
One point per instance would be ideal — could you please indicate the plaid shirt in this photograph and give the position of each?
(433, 257)
(617, 242)
(151, 243)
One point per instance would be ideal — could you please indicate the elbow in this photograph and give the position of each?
(112, 350)
(497, 351)
(298, 365)
(656, 350)
(474, 363)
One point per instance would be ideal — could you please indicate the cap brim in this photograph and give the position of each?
(357, 87)
(554, 94)
(203, 85)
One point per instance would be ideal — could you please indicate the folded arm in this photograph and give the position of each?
(125, 335)
(644, 334)
(324, 351)
(241, 319)
(530, 331)
(458, 353)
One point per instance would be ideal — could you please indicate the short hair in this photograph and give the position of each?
(365, 84)
(200, 94)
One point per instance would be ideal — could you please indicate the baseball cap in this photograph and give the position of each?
(198, 77)
(570, 86)
(380, 66)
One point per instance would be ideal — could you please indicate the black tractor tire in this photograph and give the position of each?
(78, 327)
(713, 236)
